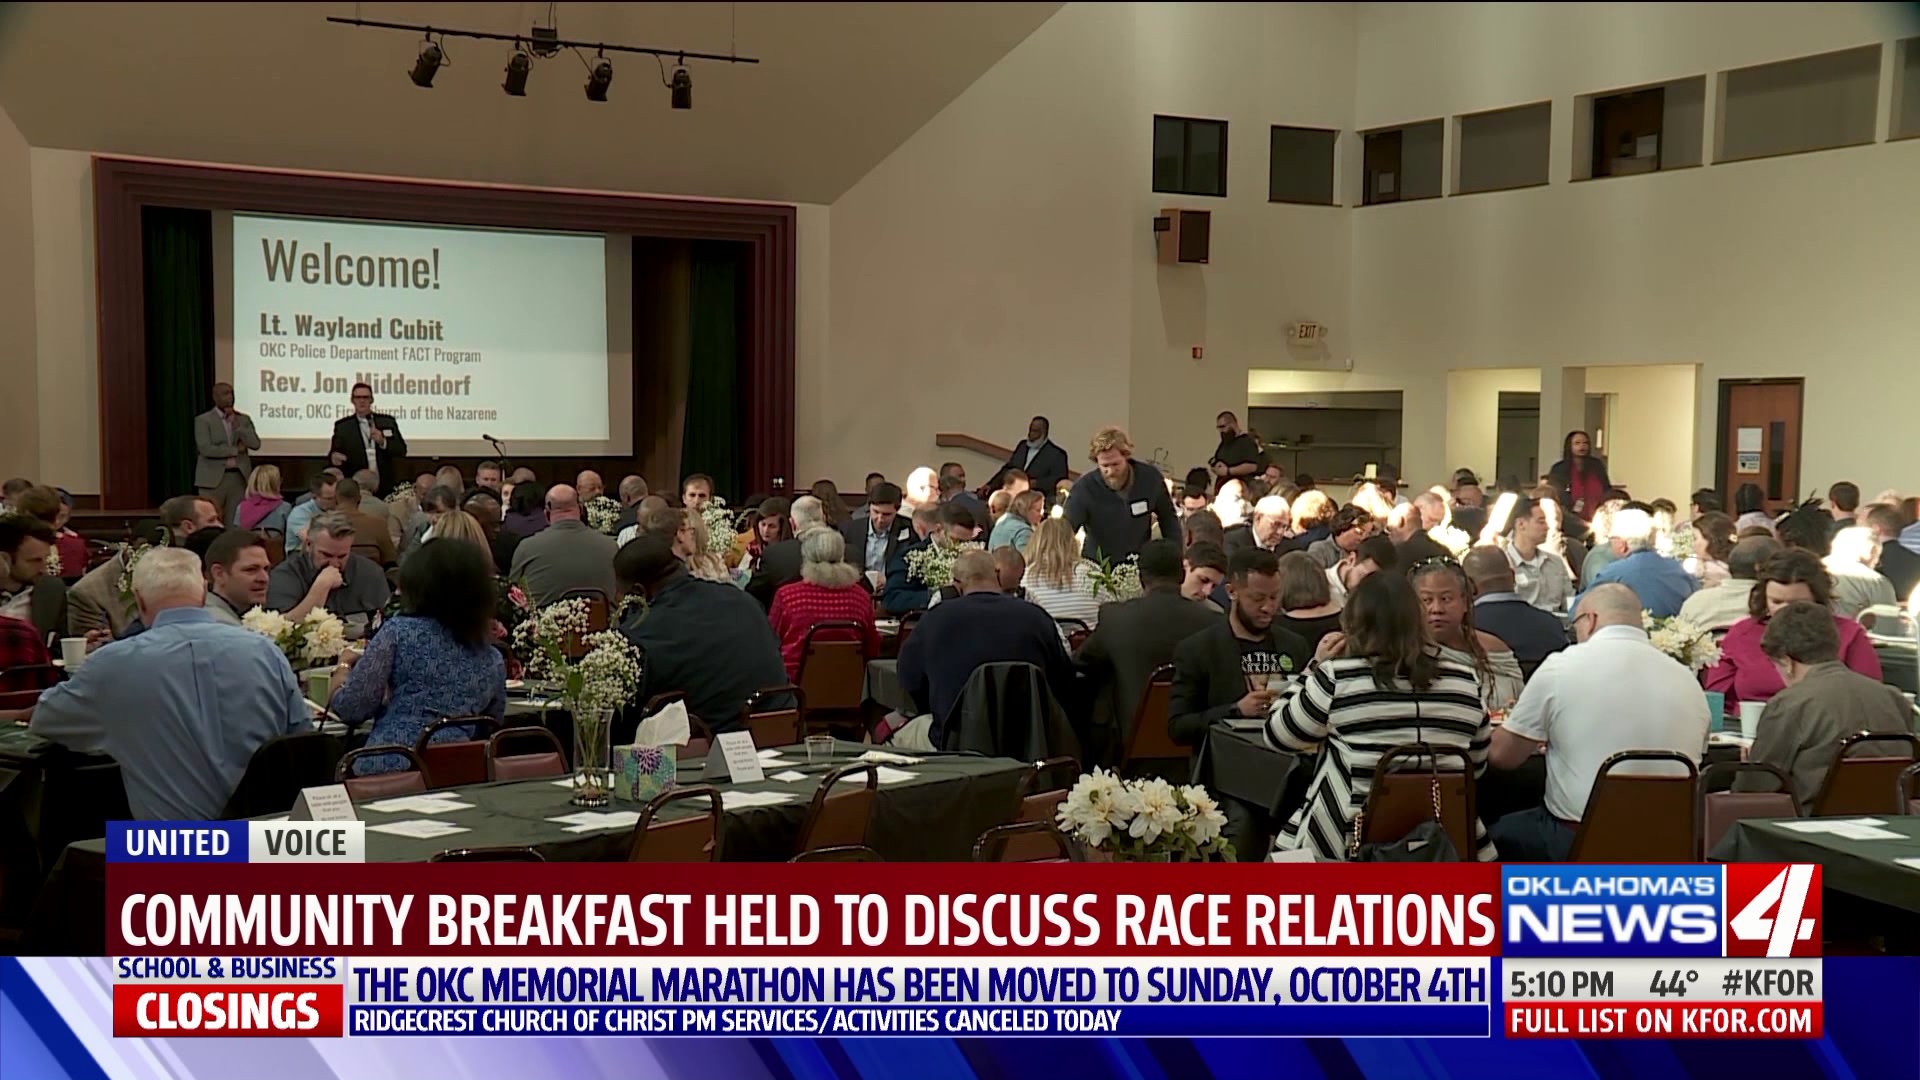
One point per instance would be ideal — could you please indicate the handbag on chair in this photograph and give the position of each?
(1425, 842)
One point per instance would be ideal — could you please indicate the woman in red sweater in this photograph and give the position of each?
(1744, 672)
(829, 590)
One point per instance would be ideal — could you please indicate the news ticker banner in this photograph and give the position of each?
(279, 928)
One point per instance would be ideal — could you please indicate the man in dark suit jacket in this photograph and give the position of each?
(365, 439)
(903, 593)
(881, 523)
(1236, 666)
(1533, 634)
(1044, 463)
(1131, 640)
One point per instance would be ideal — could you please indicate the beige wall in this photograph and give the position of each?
(20, 431)
(1791, 266)
(1650, 444)
(1473, 417)
(979, 274)
(1254, 65)
(66, 319)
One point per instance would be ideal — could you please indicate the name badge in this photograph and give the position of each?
(1140, 508)
(902, 536)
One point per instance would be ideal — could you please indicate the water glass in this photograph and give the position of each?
(819, 749)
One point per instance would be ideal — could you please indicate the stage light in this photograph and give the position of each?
(427, 64)
(517, 69)
(682, 88)
(599, 77)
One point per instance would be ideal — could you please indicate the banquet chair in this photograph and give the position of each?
(1043, 787)
(380, 785)
(1909, 783)
(833, 669)
(371, 552)
(689, 839)
(907, 624)
(19, 699)
(839, 853)
(1402, 796)
(548, 759)
(775, 726)
(1640, 817)
(276, 545)
(1865, 785)
(456, 762)
(840, 815)
(278, 771)
(487, 854)
(1719, 809)
(599, 615)
(1150, 741)
(1075, 631)
(1025, 841)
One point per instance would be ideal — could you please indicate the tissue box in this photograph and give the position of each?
(642, 772)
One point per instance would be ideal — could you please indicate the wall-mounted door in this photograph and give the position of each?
(1760, 439)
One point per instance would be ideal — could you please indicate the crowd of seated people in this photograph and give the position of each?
(1495, 623)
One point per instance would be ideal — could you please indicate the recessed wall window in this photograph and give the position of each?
(1642, 130)
(1906, 91)
(1402, 163)
(1506, 148)
(1810, 103)
(1300, 165)
(1190, 156)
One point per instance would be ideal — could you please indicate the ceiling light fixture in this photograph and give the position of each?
(546, 41)
(518, 67)
(682, 87)
(599, 77)
(427, 63)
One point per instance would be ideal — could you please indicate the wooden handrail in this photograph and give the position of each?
(954, 440)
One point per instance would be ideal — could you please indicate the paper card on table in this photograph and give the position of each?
(1866, 828)
(568, 782)
(418, 830)
(771, 755)
(329, 802)
(788, 777)
(885, 775)
(1911, 864)
(418, 804)
(740, 800)
(668, 727)
(881, 757)
(617, 819)
(734, 758)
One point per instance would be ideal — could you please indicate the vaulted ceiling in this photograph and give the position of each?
(839, 86)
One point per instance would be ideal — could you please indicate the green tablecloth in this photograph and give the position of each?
(883, 687)
(936, 815)
(1862, 868)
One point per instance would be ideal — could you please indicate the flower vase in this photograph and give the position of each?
(592, 757)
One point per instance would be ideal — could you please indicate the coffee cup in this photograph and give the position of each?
(73, 650)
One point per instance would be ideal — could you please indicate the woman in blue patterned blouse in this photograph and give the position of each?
(432, 660)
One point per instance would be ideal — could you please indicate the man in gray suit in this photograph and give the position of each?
(566, 555)
(223, 436)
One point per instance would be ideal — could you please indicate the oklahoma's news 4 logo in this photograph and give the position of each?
(1773, 909)
(1594, 910)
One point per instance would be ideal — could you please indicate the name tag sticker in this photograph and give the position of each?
(1140, 508)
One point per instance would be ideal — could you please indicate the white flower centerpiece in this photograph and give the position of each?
(721, 539)
(308, 642)
(1112, 582)
(595, 674)
(1682, 639)
(932, 565)
(1146, 820)
(603, 514)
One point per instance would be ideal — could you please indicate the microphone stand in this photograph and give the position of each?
(506, 467)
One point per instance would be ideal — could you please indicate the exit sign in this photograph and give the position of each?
(1305, 333)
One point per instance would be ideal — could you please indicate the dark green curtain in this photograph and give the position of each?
(715, 421)
(179, 301)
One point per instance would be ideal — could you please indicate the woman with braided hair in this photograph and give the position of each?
(1446, 599)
